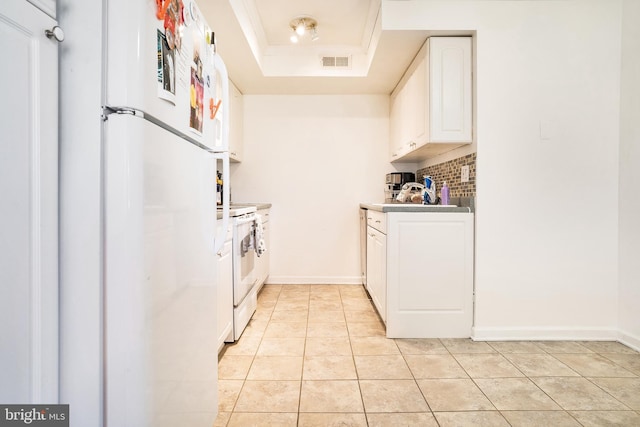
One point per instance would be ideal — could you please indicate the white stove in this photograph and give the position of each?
(245, 295)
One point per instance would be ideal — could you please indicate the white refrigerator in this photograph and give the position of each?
(164, 126)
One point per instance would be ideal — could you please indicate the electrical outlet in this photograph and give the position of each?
(464, 174)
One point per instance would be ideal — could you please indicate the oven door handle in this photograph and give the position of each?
(243, 221)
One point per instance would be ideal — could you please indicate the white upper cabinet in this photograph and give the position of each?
(396, 142)
(236, 123)
(450, 91)
(431, 109)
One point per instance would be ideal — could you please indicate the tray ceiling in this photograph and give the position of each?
(253, 39)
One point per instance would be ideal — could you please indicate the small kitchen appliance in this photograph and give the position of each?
(394, 182)
(414, 192)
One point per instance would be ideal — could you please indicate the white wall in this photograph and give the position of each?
(547, 210)
(315, 158)
(630, 176)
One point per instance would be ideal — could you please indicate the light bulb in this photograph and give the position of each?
(314, 34)
(300, 28)
(293, 38)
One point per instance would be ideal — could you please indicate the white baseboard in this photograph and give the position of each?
(544, 334)
(630, 340)
(313, 280)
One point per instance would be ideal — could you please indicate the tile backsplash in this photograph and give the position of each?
(450, 172)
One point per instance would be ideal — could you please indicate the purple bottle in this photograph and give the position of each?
(444, 194)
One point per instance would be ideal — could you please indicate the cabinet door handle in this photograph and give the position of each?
(55, 33)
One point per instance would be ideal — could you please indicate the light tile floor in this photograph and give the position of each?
(318, 356)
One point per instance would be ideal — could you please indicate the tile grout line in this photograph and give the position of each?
(304, 352)
(355, 366)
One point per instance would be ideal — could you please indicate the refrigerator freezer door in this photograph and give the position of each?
(160, 294)
(167, 68)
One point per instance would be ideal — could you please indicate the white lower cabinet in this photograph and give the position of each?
(377, 269)
(420, 272)
(225, 293)
(262, 262)
(429, 275)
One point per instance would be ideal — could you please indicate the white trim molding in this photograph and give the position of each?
(629, 340)
(543, 334)
(313, 280)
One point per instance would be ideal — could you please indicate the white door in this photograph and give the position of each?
(28, 206)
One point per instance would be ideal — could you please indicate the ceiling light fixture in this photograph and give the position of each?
(303, 25)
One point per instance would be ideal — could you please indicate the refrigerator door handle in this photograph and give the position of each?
(107, 110)
(221, 234)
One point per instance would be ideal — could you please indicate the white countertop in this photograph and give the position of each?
(237, 209)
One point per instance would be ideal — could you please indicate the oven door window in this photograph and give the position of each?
(247, 258)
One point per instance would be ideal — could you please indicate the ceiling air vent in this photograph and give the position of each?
(336, 61)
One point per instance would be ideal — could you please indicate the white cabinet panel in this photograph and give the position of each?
(419, 121)
(450, 94)
(47, 6)
(224, 285)
(262, 262)
(430, 276)
(236, 123)
(395, 127)
(377, 270)
(29, 208)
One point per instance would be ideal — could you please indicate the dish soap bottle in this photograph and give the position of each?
(444, 194)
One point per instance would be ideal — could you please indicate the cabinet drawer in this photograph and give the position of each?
(377, 220)
(264, 213)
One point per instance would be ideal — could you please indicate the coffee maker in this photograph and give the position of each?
(393, 184)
